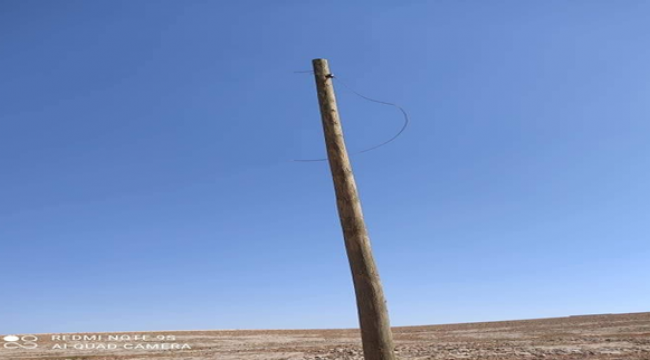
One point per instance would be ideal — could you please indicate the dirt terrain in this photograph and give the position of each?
(624, 336)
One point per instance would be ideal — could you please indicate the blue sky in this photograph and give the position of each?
(147, 180)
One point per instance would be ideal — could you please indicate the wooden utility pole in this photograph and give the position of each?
(371, 304)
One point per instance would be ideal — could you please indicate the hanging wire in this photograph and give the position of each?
(404, 113)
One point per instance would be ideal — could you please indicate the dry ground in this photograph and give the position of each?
(624, 336)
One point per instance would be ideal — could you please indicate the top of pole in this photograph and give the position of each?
(321, 68)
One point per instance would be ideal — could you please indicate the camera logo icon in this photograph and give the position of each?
(13, 342)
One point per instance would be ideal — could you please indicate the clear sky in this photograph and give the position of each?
(147, 180)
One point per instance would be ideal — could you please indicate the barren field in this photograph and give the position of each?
(625, 336)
